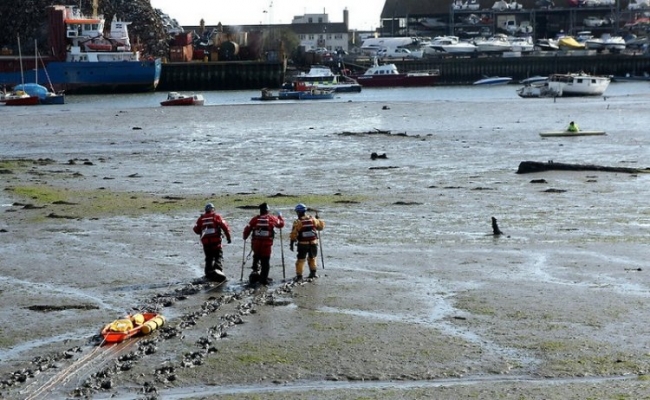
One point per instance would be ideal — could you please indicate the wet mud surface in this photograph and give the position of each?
(418, 297)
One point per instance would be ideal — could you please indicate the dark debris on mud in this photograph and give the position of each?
(102, 380)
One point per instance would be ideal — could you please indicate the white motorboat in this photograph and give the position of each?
(547, 44)
(451, 44)
(606, 42)
(322, 77)
(493, 81)
(496, 43)
(578, 84)
(522, 44)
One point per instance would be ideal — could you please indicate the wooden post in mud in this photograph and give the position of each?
(495, 227)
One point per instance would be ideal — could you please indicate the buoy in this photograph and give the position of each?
(137, 319)
(153, 324)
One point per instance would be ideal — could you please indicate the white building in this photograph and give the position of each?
(316, 32)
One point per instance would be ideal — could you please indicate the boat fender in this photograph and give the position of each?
(137, 319)
(153, 324)
(121, 325)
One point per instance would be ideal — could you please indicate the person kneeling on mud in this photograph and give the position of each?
(304, 232)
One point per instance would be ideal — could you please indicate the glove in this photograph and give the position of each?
(291, 246)
(279, 213)
(229, 241)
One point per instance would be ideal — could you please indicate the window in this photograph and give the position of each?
(311, 37)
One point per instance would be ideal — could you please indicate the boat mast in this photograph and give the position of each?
(35, 61)
(20, 59)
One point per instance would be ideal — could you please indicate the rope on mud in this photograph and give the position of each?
(67, 372)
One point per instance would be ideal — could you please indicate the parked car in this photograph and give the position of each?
(593, 21)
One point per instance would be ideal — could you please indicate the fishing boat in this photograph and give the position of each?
(77, 66)
(130, 326)
(179, 99)
(493, 81)
(387, 75)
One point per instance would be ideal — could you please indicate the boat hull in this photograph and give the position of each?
(401, 80)
(92, 77)
(22, 101)
(493, 81)
(567, 133)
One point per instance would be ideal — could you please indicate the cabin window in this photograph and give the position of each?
(579, 80)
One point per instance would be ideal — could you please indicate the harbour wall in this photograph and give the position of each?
(226, 75)
(254, 75)
(463, 71)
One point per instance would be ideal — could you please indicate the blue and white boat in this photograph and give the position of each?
(493, 80)
(44, 95)
(86, 60)
(534, 79)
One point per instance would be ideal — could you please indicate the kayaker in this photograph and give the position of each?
(304, 232)
(262, 228)
(573, 127)
(211, 226)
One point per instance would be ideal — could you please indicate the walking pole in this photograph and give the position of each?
(320, 244)
(284, 276)
(243, 261)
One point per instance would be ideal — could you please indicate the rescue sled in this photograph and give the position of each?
(131, 325)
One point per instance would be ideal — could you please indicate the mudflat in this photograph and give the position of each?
(417, 298)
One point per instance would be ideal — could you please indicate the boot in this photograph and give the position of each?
(264, 276)
(312, 268)
(298, 278)
(254, 277)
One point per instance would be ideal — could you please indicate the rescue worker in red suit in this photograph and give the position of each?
(305, 232)
(211, 227)
(261, 228)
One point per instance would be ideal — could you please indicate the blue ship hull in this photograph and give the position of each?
(92, 77)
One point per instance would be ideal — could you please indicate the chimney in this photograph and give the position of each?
(346, 18)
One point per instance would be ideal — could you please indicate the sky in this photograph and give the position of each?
(364, 14)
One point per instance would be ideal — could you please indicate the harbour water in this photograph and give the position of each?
(416, 95)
